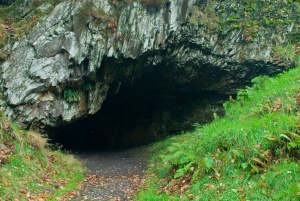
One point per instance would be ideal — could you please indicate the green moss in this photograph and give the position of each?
(233, 19)
(236, 26)
(256, 16)
(153, 3)
(208, 18)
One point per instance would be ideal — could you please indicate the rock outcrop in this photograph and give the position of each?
(84, 51)
(6, 2)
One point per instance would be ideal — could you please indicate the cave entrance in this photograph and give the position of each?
(143, 111)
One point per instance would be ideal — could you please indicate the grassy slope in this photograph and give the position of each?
(250, 154)
(30, 170)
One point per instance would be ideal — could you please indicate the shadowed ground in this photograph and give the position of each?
(112, 175)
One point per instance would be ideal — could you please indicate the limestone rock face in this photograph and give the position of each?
(84, 51)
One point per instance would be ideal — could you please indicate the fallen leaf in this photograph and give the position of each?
(190, 196)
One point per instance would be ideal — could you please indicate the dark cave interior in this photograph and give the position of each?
(143, 111)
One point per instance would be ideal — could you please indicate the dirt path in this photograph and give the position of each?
(112, 175)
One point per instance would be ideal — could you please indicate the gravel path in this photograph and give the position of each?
(112, 175)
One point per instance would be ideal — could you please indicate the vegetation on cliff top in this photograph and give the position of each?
(275, 23)
(18, 19)
(251, 154)
(32, 171)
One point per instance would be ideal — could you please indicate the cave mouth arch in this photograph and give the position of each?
(143, 111)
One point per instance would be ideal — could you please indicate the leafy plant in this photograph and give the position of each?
(292, 138)
(209, 162)
(71, 95)
(181, 161)
(87, 87)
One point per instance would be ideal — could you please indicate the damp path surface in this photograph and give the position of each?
(112, 175)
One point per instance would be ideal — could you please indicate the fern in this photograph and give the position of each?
(183, 170)
(179, 158)
(259, 82)
(208, 162)
(71, 95)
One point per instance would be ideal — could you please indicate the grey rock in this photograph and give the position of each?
(70, 50)
(3, 147)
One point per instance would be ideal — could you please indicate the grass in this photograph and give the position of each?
(250, 154)
(31, 170)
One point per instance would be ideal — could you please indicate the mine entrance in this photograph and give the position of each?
(142, 111)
